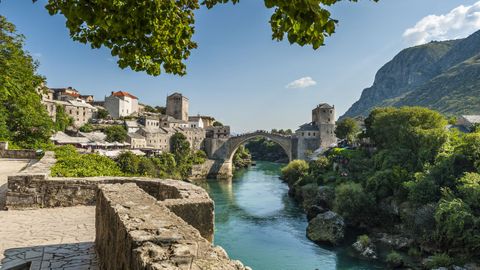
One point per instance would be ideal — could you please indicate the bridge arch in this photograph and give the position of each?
(236, 141)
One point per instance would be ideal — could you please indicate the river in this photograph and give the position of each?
(257, 223)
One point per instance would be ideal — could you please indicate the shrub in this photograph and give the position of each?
(72, 164)
(128, 162)
(199, 157)
(319, 166)
(422, 190)
(470, 189)
(165, 165)
(116, 133)
(394, 259)
(146, 167)
(457, 227)
(86, 128)
(414, 252)
(439, 260)
(364, 240)
(242, 157)
(353, 203)
(294, 171)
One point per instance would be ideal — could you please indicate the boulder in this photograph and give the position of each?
(397, 242)
(367, 251)
(325, 197)
(471, 266)
(309, 195)
(327, 227)
(314, 210)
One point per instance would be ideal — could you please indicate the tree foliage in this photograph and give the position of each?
(102, 114)
(353, 203)
(294, 171)
(116, 133)
(421, 178)
(70, 163)
(347, 129)
(267, 150)
(150, 35)
(23, 119)
(242, 157)
(62, 120)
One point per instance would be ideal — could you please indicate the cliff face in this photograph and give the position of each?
(440, 75)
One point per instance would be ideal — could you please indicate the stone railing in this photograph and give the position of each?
(19, 154)
(133, 231)
(33, 188)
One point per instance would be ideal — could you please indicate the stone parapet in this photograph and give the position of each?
(188, 201)
(134, 231)
(33, 188)
(17, 154)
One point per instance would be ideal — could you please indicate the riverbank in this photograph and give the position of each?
(258, 223)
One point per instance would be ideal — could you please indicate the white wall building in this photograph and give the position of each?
(121, 104)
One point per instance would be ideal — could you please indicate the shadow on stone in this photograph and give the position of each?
(62, 256)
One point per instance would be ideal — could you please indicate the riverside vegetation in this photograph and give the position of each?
(413, 191)
(176, 165)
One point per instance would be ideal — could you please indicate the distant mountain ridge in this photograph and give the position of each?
(440, 75)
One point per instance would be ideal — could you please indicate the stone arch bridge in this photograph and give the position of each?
(222, 150)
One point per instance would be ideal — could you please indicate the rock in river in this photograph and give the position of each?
(327, 227)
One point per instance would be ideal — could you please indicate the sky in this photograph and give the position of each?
(239, 74)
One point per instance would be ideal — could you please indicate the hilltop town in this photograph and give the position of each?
(148, 129)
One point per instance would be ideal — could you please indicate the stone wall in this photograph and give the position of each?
(134, 232)
(20, 154)
(33, 188)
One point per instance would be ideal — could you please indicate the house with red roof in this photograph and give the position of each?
(121, 104)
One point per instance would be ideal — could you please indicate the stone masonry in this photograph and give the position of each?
(164, 223)
(133, 231)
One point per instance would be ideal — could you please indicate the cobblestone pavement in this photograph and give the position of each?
(78, 256)
(55, 238)
(9, 167)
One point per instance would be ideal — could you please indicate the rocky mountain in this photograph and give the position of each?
(440, 75)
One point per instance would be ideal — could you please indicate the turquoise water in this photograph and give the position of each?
(258, 223)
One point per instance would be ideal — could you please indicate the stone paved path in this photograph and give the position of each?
(9, 167)
(57, 238)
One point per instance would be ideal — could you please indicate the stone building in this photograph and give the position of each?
(159, 138)
(201, 121)
(171, 122)
(468, 121)
(79, 110)
(177, 106)
(218, 132)
(121, 104)
(65, 94)
(319, 133)
(136, 141)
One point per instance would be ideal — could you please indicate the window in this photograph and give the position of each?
(303, 134)
(328, 119)
(308, 133)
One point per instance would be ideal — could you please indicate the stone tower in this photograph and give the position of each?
(323, 116)
(318, 134)
(177, 106)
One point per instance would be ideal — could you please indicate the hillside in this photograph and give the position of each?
(441, 75)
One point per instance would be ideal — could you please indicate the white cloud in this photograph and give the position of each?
(458, 23)
(302, 83)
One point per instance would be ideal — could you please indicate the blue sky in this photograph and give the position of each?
(238, 74)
